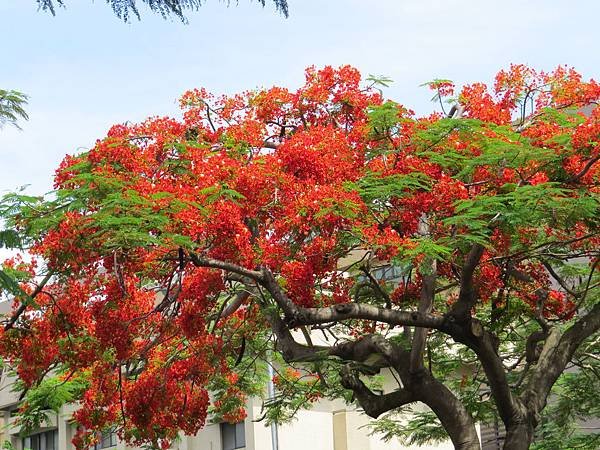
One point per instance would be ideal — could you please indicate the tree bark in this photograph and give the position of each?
(467, 296)
(453, 415)
(518, 436)
(424, 308)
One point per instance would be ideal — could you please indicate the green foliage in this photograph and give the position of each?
(250, 371)
(124, 9)
(345, 208)
(377, 190)
(436, 83)
(12, 107)
(48, 396)
(409, 427)
(15, 210)
(379, 80)
(430, 249)
(216, 193)
(9, 283)
(498, 146)
(9, 239)
(9, 277)
(291, 396)
(297, 390)
(122, 218)
(520, 206)
(385, 117)
(7, 445)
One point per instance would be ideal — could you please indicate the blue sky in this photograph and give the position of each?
(85, 70)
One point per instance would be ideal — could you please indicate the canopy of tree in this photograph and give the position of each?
(177, 256)
(125, 8)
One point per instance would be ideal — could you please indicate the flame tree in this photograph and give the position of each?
(175, 255)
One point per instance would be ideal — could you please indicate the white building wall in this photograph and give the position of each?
(312, 430)
(209, 438)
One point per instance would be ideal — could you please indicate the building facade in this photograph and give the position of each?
(329, 425)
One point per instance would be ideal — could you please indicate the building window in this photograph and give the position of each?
(47, 440)
(233, 435)
(106, 439)
(392, 274)
(492, 436)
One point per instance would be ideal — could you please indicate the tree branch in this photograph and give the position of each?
(584, 170)
(380, 291)
(467, 296)
(425, 307)
(21, 309)
(508, 405)
(297, 315)
(374, 405)
(556, 353)
(199, 261)
(558, 278)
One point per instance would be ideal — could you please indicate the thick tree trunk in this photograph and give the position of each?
(455, 418)
(518, 437)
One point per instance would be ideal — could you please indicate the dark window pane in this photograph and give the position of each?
(240, 435)
(105, 442)
(49, 439)
(228, 436)
(109, 439)
(41, 441)
(35, 442)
